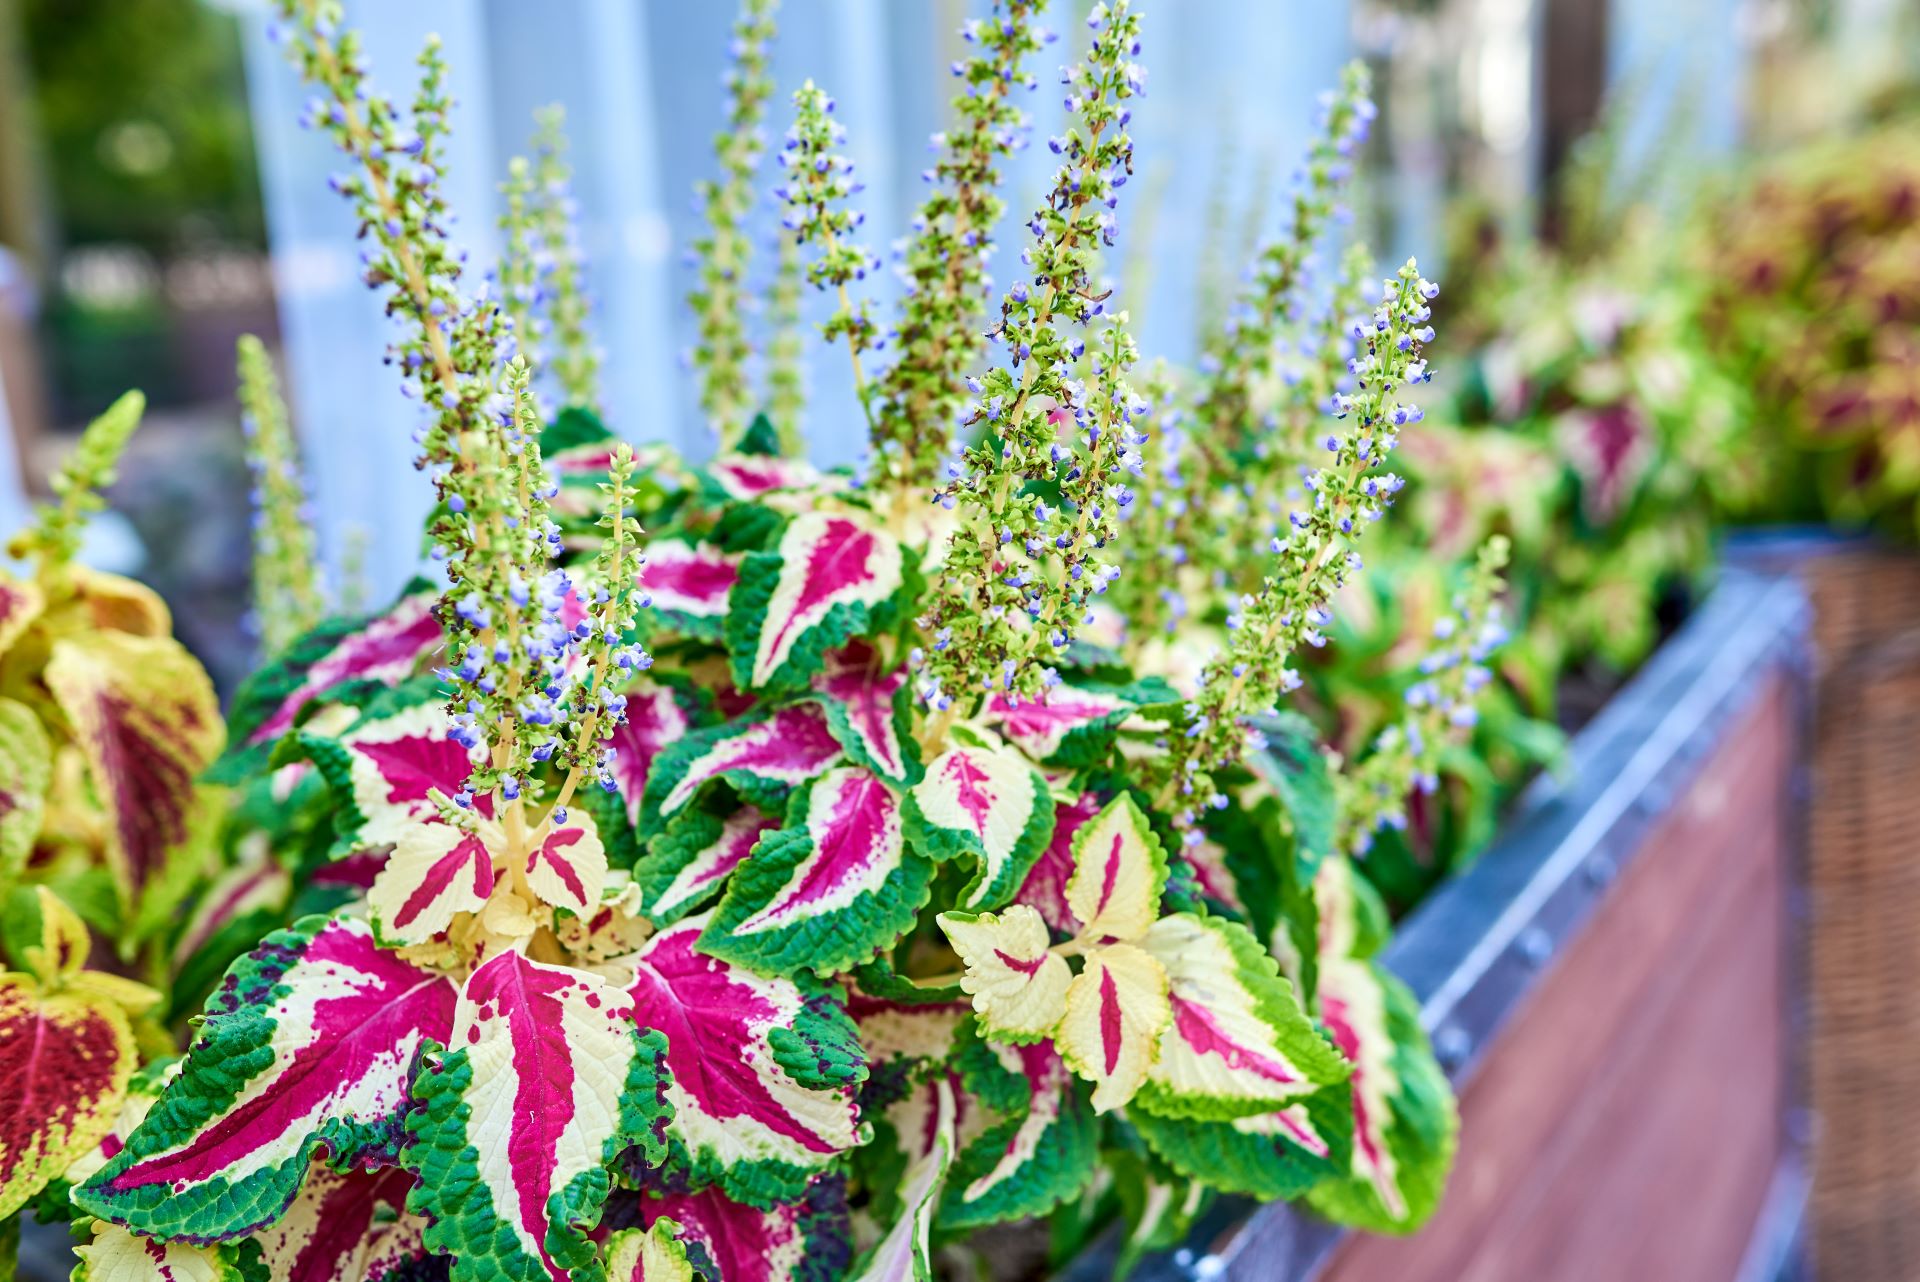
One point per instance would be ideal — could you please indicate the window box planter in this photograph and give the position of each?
(1609, 987)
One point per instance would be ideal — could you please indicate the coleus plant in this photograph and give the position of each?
(741, 871)
(106, 723)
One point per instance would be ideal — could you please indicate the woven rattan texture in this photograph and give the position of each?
(1864, 899)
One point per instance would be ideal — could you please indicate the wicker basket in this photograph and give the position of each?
(1863, 884)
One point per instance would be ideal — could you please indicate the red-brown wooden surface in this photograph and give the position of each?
(1627, 1122)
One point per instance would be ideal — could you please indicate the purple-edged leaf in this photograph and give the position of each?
(435, 871)
(809, 1236)
(1071, 725)
(384, 770)
(1239, 1043)
(1039, 1156)
(545, 1082)
(762, 758)
(1045, 888)
(989, 804)
(689, 584)
(831, 889)
(334, 658)
(1405, 1125)
(345, 1227)
(750, 476)
(688, 864)
(309, 1040)
(762, 1072)
(818, 588)
(867, 709)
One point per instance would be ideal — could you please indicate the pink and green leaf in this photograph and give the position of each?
(904, 1254)
(1405, 1125)
(867, 709)
(988, 803)
(903, 1028)
(346, 1226)
(1272, 1156)
(336, 660)
(751, 476)
(762, 1070)
(1119, 872)
(824, 583)
(658, 717)
(807, 1236)
(309, 1042)
(762, 758)
(688, 864)
(546, 1081)
(1116, 1016)
(1045, 887)
(1239, 1043)
(1072, 725)
(1038, 1157)
(386, 767)
(829, 891)
(688, 585)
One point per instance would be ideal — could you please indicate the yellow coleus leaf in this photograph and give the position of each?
(1119, 870)
(1019, 987)
(116, 1255)
(26, 769)
(64, 942)
(1117, 1012)
(21, 602)
(144, 715)
(65, 1060)
(114, 603)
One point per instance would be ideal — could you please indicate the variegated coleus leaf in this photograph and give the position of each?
(334, 660)
(904, 1253)
(1119, 870)
(1072, 725)
(763, 1070)
(115, 1255)
(762, 758)
(658, 716)
(309, 1041)
(866, 704)
(346, 1226)
(1018, 985)
(67, 1054)
(906, 1030)
(546, 1081)
(830, 890)
(21, 602)
(1405, 1124)
(1272, 1156)
(752, 476)
(1116, 1017)
(1039, 1156)
(688, 864)
(987, 802)
(436, 870)
(26, 770)
(823, 583)
(688, 585)
(804, 1238)
(1045, 887)
(144, 714)
(652, 1254)
(385, 767)
(1239, 1043)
